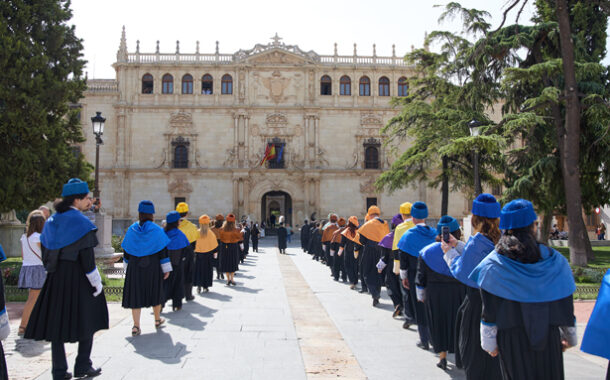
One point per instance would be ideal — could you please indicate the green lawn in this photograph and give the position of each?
(602, 256)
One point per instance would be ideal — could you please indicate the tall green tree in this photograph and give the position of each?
(556, 109)
(444, 97)
(42, 78)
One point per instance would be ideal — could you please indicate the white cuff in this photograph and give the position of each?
(96, 281)
(381, 264)
(241, 246)
(460, 246)
(332, 252)
(340, 252)
(5, 327)
(451, 255)
(421, 293)
(489, 331)
(166, 265)
(403, 274)
(568, 333)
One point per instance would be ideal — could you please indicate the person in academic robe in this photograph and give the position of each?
(528, 310)
(177, 250)
(327, 233)
(190, 230)
(349, 248)
(218, 222)
(440, 292)
(206, 250)
(245, 232)
(316, 243)
(597, 333)
(339, 260)
(231, 242)
(408, 311)
(5, 328)
(254, 235)
(305, 229)
(462, 259)
(389, 271)
(147, 265)
(370, 234)
(71, 306)
(409, 246)
(282, 234)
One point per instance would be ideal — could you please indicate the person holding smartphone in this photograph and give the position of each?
(440, 292)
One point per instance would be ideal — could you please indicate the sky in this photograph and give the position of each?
(240, 24)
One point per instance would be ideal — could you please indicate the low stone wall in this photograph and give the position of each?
(10, 235)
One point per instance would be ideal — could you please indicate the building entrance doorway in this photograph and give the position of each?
(273, 205)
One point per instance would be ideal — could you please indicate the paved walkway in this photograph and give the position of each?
(285, 319)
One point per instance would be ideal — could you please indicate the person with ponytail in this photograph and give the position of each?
(147, 265)
(527, 317)
(206, 250)
(177, 252)
(231, 242)
(71, 306)
(462, 259)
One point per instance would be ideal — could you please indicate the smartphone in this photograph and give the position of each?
(445, 232)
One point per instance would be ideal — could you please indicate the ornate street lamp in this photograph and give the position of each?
(475, 130)
(98, 130)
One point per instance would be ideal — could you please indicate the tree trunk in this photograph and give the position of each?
(545, 229)
(569, 148)
(445, 187)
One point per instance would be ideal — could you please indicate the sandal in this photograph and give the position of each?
(135, 331)
(159, 322)
(21, 331)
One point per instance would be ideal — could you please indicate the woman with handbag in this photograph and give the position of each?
(32, 274)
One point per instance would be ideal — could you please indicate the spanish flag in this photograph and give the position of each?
(269, 153)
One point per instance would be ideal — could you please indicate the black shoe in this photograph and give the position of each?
(190, 298)
(91, 372)
(442, 364)
(423, 346)
(375, 301)
(68, 376)
(406, 325)
(397, 311)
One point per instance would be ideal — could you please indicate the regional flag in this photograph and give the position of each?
(269, 153)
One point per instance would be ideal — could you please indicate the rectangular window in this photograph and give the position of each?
(346, 89)
(371, 202)
(178, 200)
(278, 162)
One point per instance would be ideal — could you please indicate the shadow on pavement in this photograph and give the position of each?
(158, 346)
(29, 348)
(216, 296)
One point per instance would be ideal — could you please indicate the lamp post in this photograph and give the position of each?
(475, 130)
(98, 130)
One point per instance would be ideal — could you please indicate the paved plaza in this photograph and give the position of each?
(286, 319)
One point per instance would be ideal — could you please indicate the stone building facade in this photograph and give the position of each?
(195, 127)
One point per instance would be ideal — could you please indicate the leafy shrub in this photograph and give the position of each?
(116, 243)
(11, 275)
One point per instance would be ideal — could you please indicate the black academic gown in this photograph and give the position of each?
(204, 268)
(529, 342)
(246, 241)
(282, 234)
(371, 253)
(254, 237)
(315, 245)
(338, 262)
(66, 310)
(350, 261)
(144, 280)
(409, 263)
(305, 237)
(3, 368)
(477, 363)
(174, 285)
(444, 295)
(392, 281)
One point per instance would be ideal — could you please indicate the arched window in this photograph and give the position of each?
(207, 84)
(384, 86)
(365, 86)
(371, 157)
(187, 84)
(227, 84)
(147, 84)
(345, 85)
(168, 84)
(326, 85)
(181, 156)
(403, 87)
